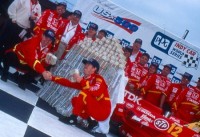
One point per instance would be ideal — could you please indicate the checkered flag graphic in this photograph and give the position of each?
(190, 61)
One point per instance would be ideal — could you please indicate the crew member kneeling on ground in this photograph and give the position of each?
(29, 56)
(93, 99)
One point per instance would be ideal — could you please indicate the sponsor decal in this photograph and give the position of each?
(175, 80)
(136, 118)
(109, 34)
(129, 105)
(146, 118)
(145, 111)
(126, 24)
(132, 97)
(188, 56)
(145, 123)
(124, 43)
(161, 124)
(196, 135)
(157, 60)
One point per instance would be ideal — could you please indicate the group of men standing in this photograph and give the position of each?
(49, 32)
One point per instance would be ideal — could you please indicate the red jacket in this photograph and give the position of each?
(49, 20)
(187, 105)
(135, 72)
(157, 85)
(174, 90)
(73, 40)
(93, 98)
(29, 52)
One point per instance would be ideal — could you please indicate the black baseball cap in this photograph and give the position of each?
(93, 62)
(138, 40)
(62, 4)
(104, 31)
(93, 26)
(187, 75)
(50, 34)
(168, 66)
(77, 13)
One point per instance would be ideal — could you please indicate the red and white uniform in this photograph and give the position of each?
(174, 90)
(75, 38)
(134, 58)
(49, 20)
(157, 85)
(187, 105)
(93, 99)
(31, 53)
(135, 71)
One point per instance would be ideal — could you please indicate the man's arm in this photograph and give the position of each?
(12, 10)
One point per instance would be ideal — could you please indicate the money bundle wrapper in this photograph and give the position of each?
(109, 54)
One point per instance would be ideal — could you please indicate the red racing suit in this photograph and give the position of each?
(29, 52)
(187, 105)
(93, 99)
(174, 90)
(49, 20)
(135, 72)
(156, 86)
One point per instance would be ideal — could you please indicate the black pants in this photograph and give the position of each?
(11, 59)
(9, 36)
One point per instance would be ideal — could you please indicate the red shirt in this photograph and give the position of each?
(135, 71)
(77, 36)
(49, 20)
(94, 94)
(30, 52)
(187, 104)
(174, 90)
(156, 86)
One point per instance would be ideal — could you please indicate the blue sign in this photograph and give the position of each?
(162, 42)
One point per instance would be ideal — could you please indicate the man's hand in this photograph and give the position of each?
(47, 75)
(77, 77)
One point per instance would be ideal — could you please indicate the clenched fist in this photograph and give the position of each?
(47, 75)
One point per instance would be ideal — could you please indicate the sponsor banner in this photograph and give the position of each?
(163, 47)
(146, 114)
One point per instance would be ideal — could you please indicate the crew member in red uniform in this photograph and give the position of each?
(51, 19)
(91, 33)
(29, 56)
(151, 70)
(156, 89)
(187, 104)
(93, 99)
(136, 53)
(135, 71)
(175, 89)
(68, 35)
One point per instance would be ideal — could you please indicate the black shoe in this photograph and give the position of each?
(92, 124)
(4, 77)
(21, 82)
(72, 120)
(15, 76)
(97, 134)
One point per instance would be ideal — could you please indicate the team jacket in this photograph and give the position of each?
(73, 40)
(156, 86)
(137, 59)
(187, 105)
(174, 90)
(135, 72)
(49, 20)
(29, 52)
(94, 94)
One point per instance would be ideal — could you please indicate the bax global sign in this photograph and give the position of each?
(188, 56)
